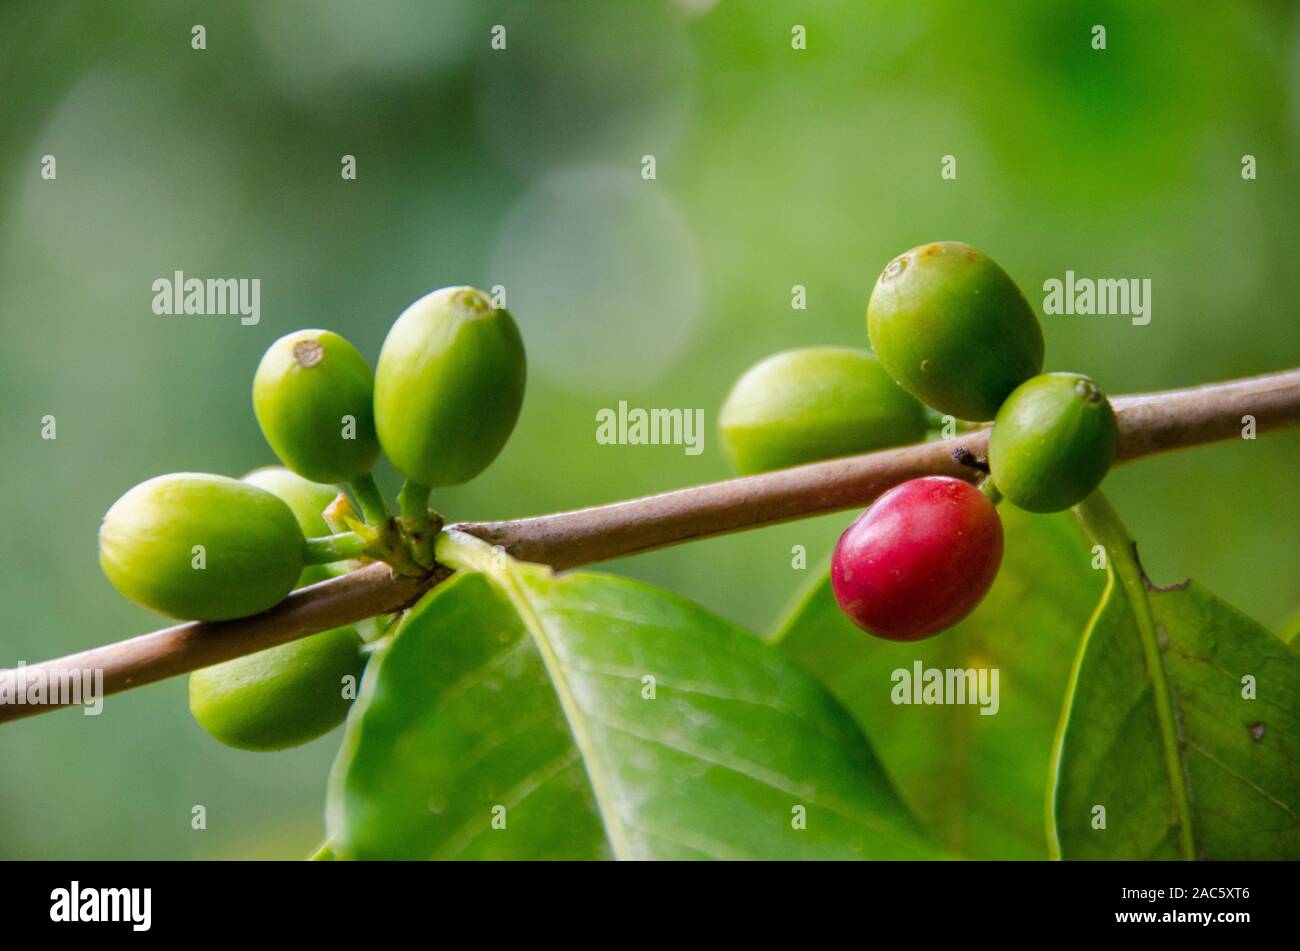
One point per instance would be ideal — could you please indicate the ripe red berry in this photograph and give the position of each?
(919, 559)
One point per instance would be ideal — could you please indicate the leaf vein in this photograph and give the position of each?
(1240, 778)
(752, 771)
(470, 831)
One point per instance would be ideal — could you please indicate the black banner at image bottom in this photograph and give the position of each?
(85, 900)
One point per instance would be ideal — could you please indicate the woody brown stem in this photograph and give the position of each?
(1148, 424)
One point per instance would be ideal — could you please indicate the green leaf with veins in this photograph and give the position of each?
(979, 781)
(1182, 723)
(520, 714)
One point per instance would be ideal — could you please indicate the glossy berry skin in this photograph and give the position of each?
(280, 697)
(250, 548)
(287, 695)
(954, 329)
(815, 403)
(1053, 442)
(313, 395)
(919, 559)
(449, 386)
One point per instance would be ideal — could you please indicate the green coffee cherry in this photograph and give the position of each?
(201, 547)
(1053, 442)
(286, 695)
(282, 696)
(313, 396)
(954, 329)
(815, 403)
(448, 386)
(307, 500)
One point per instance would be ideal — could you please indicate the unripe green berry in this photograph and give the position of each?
(306, 499)
(448, 386)
(201, 547)
(954, 329)
(313, 396)
(814, 403)
(285, 695)
(282, 696)
(1053, 442)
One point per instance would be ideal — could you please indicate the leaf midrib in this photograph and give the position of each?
(610, 821)
(1104, 524)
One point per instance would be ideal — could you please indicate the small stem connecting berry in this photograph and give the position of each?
(370, 500)
(991, 490)
(418, 524)
(339, 547)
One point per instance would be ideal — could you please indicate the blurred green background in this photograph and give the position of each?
(522, 168)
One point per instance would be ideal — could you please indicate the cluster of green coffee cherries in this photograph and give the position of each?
(440, 404)
(953, 336)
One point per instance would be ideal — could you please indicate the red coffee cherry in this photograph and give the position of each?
(919, 559)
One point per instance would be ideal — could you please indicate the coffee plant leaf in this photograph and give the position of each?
(1208, 768)
(529, 715)
(977, 781)
(1290, 629)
